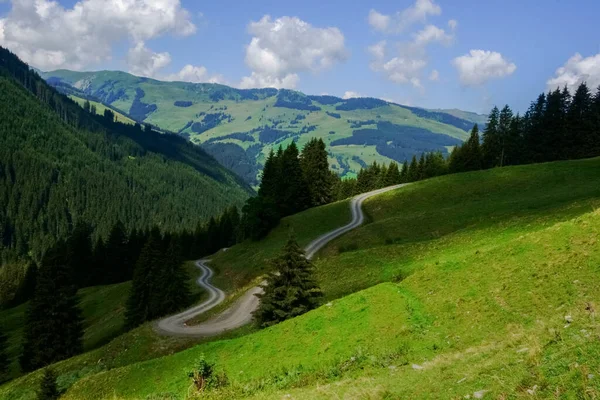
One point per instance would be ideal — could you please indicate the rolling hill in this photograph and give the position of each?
(474, 285)
(239, 127)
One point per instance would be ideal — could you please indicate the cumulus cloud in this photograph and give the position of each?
(195, 74)
(281, 48)
(430, 34)
(50, 36)
(144, 62)
(402, 20)
(434, 75)
(350, 95)
(480, 66)
(576, 71)
(407, 63)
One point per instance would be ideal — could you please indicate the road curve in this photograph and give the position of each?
(240, 313)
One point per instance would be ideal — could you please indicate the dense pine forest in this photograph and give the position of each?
(61, 166)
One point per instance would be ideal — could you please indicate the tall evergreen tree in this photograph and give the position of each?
(413, 170)
(144, 294)
(295, 194)
(290, 290)
(118, 267)
(79, 253)
(492, 145)
(580, 124)
(504, 121)
(54, 325)
(172, 291)
(404, 172)
(315, 169)
(48, 388)
(392, 175)
(271, 178)
(533, 130)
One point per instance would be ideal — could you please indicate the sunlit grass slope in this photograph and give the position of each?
(482, 273)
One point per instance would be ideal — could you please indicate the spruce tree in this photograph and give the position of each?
(413, 170)
(504, 122)
(79, 253)
(473, 156)
(579, 121)
(491, 146)
(533, 131)
(118, 267)
(4, 360)
(172, 283)
(48, 389)
(290, 290)
(404, 172)
(392, 176)
(54, 325)
(315, 169)
(295, 196)
(144, 295)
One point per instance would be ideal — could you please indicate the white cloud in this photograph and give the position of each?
(452, 24)
(410, 59)
(402, 20)
(49, 36)
(479, 66)
(144, 62)
(430, 34)
(379, 21)
(434, 75)
(283, 47)
(378, 50)
(195, 74)
(350, 95)
(576, 71)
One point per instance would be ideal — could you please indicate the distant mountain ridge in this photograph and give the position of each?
(240, 126)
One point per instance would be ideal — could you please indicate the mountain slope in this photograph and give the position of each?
(239, 127)
(478, 305)
(59, 166)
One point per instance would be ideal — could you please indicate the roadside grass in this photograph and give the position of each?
(494, 321)
(246, 261)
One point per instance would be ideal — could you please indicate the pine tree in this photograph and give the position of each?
(392, 176)
(118, 267)
(579, 121)
(404, 172)
(290, 290)
(54, 325)
(144, 295)
(4, 360)
(79, 253)
(172, 291)
(295, 195)
(413, 170)
(48, 389)
(473, 159)
(271, 178)
(514, 152)
(533, 131)
(491, 147)
(504, 121)
(315, 169)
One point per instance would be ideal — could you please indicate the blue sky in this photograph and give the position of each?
(495, 52)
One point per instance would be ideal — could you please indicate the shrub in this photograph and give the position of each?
(204, 377)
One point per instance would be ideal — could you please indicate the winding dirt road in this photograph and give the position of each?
(240, 313)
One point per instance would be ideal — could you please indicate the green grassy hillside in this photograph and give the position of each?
(100, 110)
(484, 284)
(239, 127)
